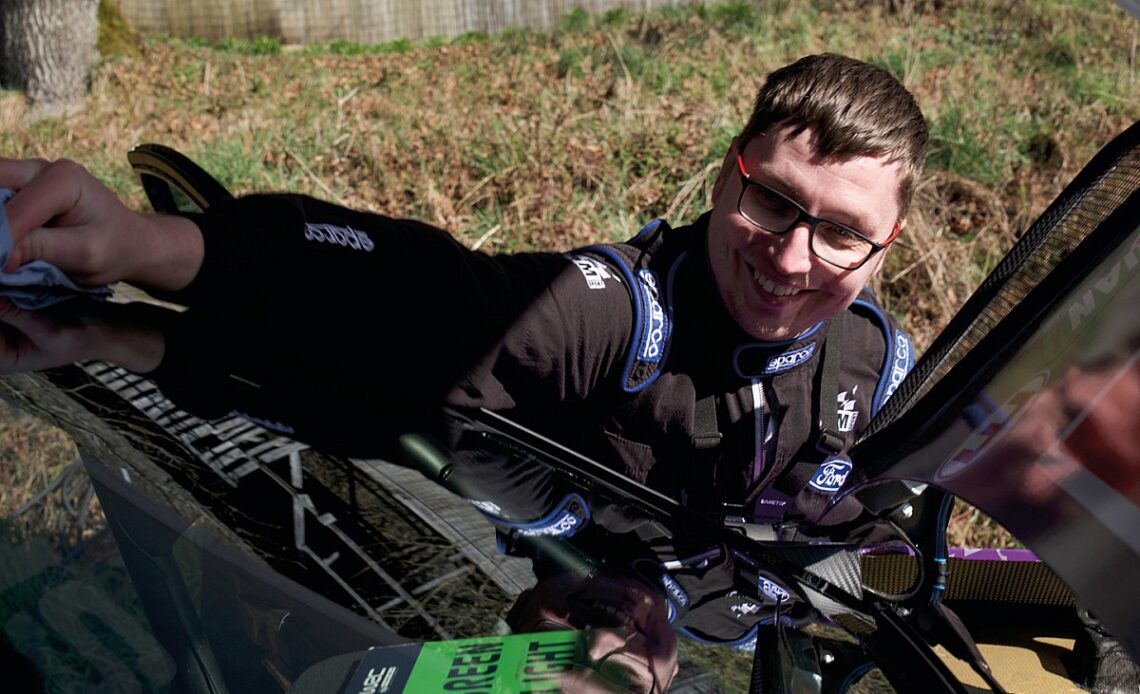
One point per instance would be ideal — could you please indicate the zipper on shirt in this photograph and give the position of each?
(760, 408)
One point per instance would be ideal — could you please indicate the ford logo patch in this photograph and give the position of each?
(830, 476)
(773, 591)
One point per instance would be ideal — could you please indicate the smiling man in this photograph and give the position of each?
(812, 193)
(729, 363)
(766, 253)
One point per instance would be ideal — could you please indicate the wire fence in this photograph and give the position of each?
(361, 21)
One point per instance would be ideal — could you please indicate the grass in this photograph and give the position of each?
(33, 457)
(550, 140)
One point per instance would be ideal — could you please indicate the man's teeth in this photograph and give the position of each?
(771, 287)
(612, 614)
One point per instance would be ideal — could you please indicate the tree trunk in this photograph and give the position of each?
(47, 48)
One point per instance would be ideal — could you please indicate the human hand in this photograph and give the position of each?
(629, 638)
(78, 330)
(63, 215)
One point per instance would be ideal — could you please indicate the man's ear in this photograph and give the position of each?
(726, 170)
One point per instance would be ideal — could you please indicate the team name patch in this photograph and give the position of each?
(830, 476)
(789, 360)
(653, 340)
(773, 591)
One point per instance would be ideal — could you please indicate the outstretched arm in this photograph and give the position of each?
(63, 215)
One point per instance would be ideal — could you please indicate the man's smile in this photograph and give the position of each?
(771, 286)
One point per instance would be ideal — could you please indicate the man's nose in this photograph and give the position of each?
(791, 251)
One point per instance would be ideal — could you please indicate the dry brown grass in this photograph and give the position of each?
(43, 490)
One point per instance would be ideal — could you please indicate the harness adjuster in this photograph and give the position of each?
(829, 442)
(703, 442)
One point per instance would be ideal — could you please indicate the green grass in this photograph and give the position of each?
(576, 20)
(584, 132)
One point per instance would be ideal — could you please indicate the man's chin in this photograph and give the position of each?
(772, 331)
(771, 323)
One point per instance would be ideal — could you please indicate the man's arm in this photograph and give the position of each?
(342, 310)
(61, 214)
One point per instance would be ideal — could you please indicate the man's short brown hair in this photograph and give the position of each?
(853, 108)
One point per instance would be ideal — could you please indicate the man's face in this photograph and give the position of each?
(773, 286)
(630, 640)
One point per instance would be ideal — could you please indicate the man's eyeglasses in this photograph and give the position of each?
(832, 242)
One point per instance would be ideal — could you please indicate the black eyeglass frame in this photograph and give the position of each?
(812, 221)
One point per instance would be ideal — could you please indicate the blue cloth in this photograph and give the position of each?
(38, 283)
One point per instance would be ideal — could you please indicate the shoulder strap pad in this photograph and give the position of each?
(899, 358)
(649, 275)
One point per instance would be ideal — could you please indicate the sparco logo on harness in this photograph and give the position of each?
(653, 342)
(565, 524)
(830, 476)
(674, 589)
(901, 366)
(340, 236)
(789, 360)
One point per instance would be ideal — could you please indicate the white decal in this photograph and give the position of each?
(595, 272)
(847, 412)
(773, 590)
(340, 236)
(1085, 305)
(378, 681)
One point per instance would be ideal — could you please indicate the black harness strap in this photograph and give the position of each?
(706, 433)
(707, 446)
(830, 442)
(830, 438)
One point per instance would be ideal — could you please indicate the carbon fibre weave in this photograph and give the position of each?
(892, 574)
(1025, 582)
(837, 564)
(1022, 582)
(824, 604)
(1095, 194)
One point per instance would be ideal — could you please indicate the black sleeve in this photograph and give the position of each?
(353, 326)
